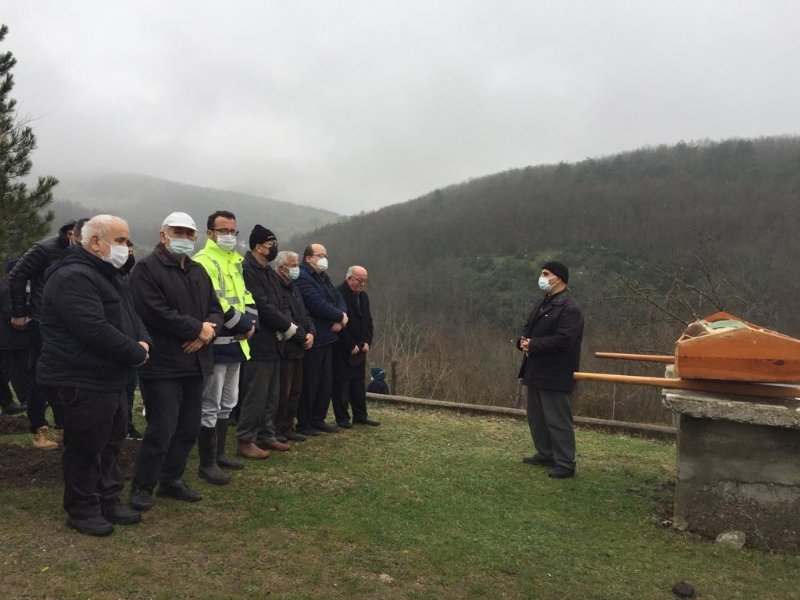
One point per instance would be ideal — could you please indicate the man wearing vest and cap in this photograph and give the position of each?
(177, 303)
(221, 389)
(551, 342)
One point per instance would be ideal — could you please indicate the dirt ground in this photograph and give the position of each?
(25, 466)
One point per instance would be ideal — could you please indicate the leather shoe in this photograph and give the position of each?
(250, 450)
(178, 490)
(539, 460)
(561, 473)
(140, 499)
(274, 445)
(308, 432)
(325, 428)
(367, 422)
(98, 526)
(344, 424)
(295, 437)
(119, 515)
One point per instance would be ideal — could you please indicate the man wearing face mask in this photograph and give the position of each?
(551, 343)
(256, 431)
(92, 339)
(221, 389)
(292, 349)
(176, 301)
(326, 306)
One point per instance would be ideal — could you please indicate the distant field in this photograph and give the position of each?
(429, 505)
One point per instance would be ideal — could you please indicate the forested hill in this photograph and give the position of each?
(690, 228)
(144, 202)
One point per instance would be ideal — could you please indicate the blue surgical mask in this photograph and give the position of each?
(226, 242)
(294, 273)
(180, 246)
(118, 255)
(544, 284)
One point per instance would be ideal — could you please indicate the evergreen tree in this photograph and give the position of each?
(23, 215)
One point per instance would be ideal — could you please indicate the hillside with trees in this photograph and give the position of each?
(144, 201)
(654, 238)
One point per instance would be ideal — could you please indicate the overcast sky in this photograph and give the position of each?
(353, 105)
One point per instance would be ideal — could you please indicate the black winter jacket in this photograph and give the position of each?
(359, 326)
(10, 338)
(292, 303)
(555, 327)
(264, 285)
(322, 301)
(90, 330)
(173, 302)
(31, 267)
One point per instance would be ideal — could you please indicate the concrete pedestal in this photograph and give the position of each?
(738, 467)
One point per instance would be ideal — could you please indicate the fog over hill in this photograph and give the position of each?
(144, 202)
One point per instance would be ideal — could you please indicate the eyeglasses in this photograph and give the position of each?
(360, 280)
(270, 244)
(227, 231)
(320, 255)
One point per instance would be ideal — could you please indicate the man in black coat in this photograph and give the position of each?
(26, 283)
(551, 341)
(92, 339)
(176, 301)
(350, 357)
(287, 267)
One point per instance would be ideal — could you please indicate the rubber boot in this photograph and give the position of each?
(223, 460)
(207, 448)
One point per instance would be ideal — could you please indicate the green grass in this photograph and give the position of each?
(429, 505)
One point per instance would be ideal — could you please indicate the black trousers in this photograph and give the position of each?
(552, 429)
(350, 392)
(290, 392)
(41, 395)
(16, 369)
(172, 409)
(95, 424)
(317, 383)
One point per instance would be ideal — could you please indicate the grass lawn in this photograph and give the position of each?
(428, 505)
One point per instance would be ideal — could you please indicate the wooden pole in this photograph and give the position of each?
(700, 385)
(660, 358)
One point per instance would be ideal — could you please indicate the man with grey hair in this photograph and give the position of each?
(287, 266)
(175, 299)
(92, 340)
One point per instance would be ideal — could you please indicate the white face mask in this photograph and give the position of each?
(226, 242)
(322, 265)
(180, 246)
(118, 255)
(294, 273)
(544, 284)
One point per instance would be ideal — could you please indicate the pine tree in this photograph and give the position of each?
(23, 215)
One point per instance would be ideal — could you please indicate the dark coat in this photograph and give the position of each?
(359, 326)
(90, 330)
(322, 301)
(292, 303)
(555, 327)
(31, 267)
(173, 303)
(264, 285)
(10, 338)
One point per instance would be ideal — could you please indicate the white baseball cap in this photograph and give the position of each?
(179, 219)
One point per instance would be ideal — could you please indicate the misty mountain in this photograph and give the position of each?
(144, 201)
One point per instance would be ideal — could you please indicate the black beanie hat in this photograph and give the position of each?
(260, 235)
(558, 269)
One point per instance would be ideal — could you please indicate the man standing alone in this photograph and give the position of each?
(92, 339)
(351, 354)
(551, 341)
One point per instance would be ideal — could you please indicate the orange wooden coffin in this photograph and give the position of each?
(726, 347)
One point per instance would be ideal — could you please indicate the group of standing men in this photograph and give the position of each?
(193, 325)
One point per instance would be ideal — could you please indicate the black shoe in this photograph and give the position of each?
(119, 515)
(308, 431)
(140, 499)
(14, 409)
(133, 434)
(295, 436)
(367, 422)
(178, 490)
(98, 526)
(325, 428)
(282, 439)
(538, 459)
(561, 473)
(344, 424)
